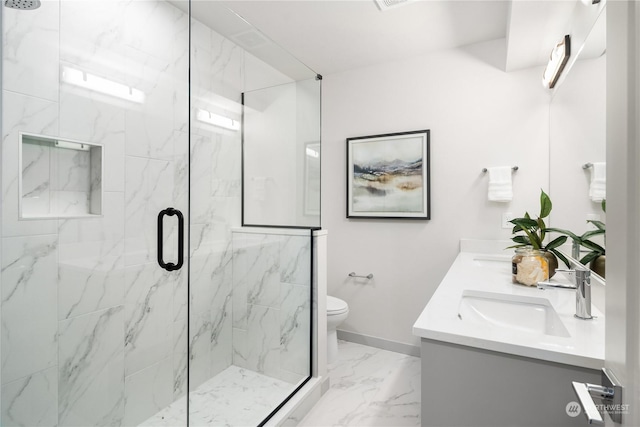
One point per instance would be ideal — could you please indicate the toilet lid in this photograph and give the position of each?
(336, 305)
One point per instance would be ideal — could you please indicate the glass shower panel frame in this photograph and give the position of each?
(281, 155)
(249, 310)
(93, 330)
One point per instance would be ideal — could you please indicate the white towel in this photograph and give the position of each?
(500, 188)
(598, 186)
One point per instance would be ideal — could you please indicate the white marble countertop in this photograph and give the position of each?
(492, 273)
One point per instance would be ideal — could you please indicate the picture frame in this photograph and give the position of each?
(388, 176)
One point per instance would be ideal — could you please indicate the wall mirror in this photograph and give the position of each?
(577, 149)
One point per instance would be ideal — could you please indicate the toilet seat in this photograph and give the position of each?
(336, 306)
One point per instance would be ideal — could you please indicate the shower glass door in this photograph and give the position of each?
(94, 146)
(131, 294)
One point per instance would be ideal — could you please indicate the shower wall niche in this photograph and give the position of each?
(59, 178)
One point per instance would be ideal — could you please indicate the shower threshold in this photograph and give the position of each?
(234, 397)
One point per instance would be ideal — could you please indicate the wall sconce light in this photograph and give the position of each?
(217, 120)
(98, 84)
(558, 59)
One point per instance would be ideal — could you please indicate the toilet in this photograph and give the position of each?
(337, 312)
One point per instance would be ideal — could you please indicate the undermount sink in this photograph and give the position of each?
(512, 312)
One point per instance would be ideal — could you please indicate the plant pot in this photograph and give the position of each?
(552, 261)
(597, 265)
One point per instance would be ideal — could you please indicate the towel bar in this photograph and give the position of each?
(515, 168)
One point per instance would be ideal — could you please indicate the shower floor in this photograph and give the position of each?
(234, 397)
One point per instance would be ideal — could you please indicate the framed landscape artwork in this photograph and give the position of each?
(388, 176)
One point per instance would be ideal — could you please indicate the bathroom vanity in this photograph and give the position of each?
(496, 353)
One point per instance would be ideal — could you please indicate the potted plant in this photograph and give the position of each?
(596, 257)
(535, 232)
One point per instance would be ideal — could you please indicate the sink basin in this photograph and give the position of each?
(511, 312)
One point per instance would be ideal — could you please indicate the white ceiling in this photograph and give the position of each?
(333, 36)
(330, 36)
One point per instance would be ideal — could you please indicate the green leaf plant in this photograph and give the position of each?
(534, 231)
(595, 250)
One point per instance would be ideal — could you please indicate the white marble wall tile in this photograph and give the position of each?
(92, 35)
(227, 160)
(240, 348)
(181, 171)
(202, 205)
(108, 228)
(96, 184)
(148, 316)
(204, 257)
(91, 366)
(295, 328)
(91, 282)
(36, 179)
(91, 261)
(70, 203)
(70, 182)
(226, 215)
(22, 114)
(29, 312)
(180, 65)
(180, 358)
(240, 305)
(221, 329)
(30, 51)
(149, 126)
(150, 27)
(149, 190)
(70, 170)
(263, 278)
(199, 349)
(85, 116)
(147, 392)
(295, 260)
(263, 338)
(31, 400)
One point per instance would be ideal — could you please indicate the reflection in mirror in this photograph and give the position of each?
(577, 161)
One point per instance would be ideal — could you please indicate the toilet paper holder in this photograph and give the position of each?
(368, 276)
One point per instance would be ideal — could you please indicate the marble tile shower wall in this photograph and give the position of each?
(93, 331)
(272, 304)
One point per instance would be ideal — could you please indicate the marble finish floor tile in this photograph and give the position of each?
(235, 397)
(369, 387)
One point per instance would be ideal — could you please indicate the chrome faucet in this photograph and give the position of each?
(582, 286)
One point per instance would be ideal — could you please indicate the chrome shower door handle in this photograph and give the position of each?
(169, 266)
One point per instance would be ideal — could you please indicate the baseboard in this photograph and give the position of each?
(397, 347)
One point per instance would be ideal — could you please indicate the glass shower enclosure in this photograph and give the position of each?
(160, 188)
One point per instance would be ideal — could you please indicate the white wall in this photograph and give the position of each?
(479, 116)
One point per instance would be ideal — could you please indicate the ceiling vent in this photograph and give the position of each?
(251, 39)
(391, 4)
